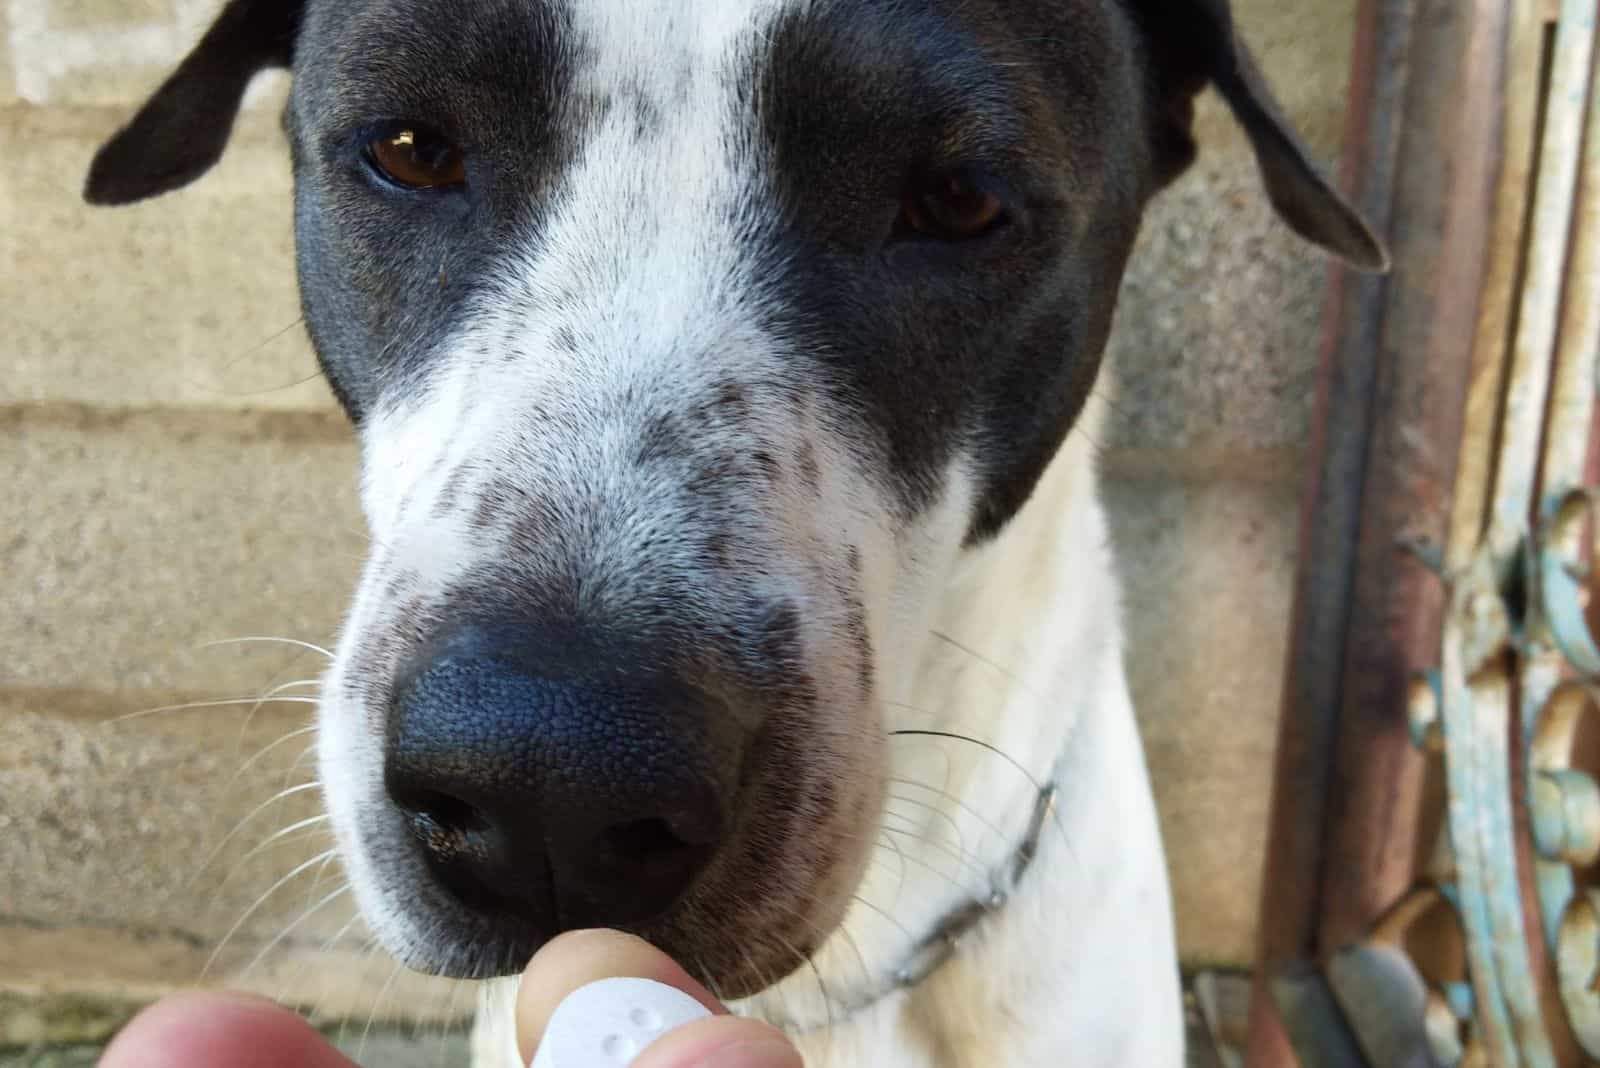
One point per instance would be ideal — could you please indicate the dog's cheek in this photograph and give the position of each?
(843, 770)
(386, 619)
(849, 815)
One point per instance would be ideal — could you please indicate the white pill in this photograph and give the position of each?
(609, 1022)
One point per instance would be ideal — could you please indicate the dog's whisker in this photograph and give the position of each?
(435, 1031)
(980, 743)
(364, 956)
(335, 938)
(762, 979)
(326, 946)
(1095, 446)
(946, 795)
(922, 831)
(276, 836)
(1053, 813)
(251, 911)
(255, 349)
(989, 662)
(289, 929)
(917, 833)
(855, 948)
(962, 852)
(822, 936)
(264, 391)
(870, 907)
(924, 865)
(942, 750)
(1104, 397)
(291, 988)
(900, 887)
(299, 762)
(311, 699)
(268, 638)
(316, 879)
(822, 987)
(252, 814)
(298, 732)
(955, 851)
(377, 1003)
(448, 1013)
(705, 976)
(827, 1008)
(224, 703)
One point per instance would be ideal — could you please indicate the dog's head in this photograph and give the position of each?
(689, 342)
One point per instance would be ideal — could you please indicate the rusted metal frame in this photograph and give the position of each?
(1495, 660)
(1538, 322)
(1516, 128)
(1440, 238)
(1476, 705)
(1389, 418)
(1516, 623)
(1564, 802)
(1330, 504)
(1517, 125)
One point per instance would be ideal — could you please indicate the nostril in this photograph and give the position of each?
(464, 848)
(449, 811)
(447, 826)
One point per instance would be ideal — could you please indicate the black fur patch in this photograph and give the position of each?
(991, 347)
(490, 76)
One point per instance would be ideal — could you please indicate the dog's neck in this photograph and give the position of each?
(979, 716)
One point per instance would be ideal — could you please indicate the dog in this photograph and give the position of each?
(725, 378)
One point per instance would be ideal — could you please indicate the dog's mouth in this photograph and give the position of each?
(739, 913)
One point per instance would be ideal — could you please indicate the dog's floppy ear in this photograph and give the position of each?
(1192, 43)
(181, 130)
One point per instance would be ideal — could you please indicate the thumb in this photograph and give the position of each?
(578, 958)
(721, 1042)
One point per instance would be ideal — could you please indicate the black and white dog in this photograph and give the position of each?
(737, 576)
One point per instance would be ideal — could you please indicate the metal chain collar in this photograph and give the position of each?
(943, 940)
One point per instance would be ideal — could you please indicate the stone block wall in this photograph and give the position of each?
(173, 473)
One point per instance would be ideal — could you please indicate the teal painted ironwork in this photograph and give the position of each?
(1516, 638)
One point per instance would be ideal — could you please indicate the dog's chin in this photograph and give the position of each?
(735, 934)
(732, 959)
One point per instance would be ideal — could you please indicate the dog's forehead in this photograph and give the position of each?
(392, 46)
(672, 195)
(465, 36)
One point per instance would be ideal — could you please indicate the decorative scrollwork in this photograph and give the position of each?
(1519, 669)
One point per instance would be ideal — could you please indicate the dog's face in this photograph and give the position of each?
(690, 343)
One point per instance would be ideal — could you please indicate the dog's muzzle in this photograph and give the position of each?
(557, 795)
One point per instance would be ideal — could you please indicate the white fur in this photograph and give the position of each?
(654, 294)
(1079, 968)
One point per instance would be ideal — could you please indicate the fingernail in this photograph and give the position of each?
(756, 1053)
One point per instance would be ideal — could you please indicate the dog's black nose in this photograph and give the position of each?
(562, 798)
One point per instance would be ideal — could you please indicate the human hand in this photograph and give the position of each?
(209, 1030)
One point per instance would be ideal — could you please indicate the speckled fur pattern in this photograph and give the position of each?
(621, 414)
(1079, 967)
(665, 370)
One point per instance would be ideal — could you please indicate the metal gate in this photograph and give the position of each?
(1427, 899)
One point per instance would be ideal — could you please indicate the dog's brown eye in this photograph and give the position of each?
(951, 208)
(417, 159)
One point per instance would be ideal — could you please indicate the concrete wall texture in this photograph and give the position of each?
(174, 473)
